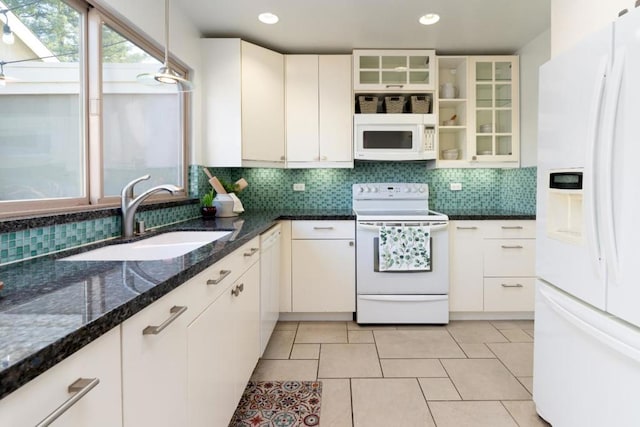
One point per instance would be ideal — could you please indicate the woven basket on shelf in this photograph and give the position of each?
(394, 104)
(420, 104)
(368, 104)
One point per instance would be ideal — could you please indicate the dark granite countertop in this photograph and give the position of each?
(51, 308)
(485, 214)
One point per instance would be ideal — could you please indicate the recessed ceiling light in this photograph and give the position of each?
(268, 18)
(429, 19)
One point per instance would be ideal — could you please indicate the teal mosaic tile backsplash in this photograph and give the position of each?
(482, 189)
(19, 245)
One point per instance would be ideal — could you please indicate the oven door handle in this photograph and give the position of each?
(439, 226)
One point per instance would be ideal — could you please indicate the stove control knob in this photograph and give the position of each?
(367, 190)
(422, 189)
(375, 189)
(406, 190)
(361, 189)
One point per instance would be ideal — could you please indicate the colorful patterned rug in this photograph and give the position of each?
(279, 404)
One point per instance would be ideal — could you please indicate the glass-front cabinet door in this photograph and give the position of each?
(394, 70)
(495, 108)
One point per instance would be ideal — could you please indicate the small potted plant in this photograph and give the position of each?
(207, 209)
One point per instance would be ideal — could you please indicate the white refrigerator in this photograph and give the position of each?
(587, 321)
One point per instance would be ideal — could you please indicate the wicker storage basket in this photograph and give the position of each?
(420, 104)
(368, 104)
(394, 104)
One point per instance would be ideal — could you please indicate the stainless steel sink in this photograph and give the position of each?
(161, 246)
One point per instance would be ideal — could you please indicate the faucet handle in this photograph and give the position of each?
(127, 190)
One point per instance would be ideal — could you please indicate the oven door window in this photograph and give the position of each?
(387, 140)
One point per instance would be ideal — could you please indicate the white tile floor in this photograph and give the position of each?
(468, 373)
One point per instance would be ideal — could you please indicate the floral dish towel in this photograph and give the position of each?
(405, 248)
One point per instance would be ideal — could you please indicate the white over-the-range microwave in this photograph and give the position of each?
(394, 136)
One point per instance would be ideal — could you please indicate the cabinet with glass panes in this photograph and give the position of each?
(393, 70)
(494, 108)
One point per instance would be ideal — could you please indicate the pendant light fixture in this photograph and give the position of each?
(165, 74)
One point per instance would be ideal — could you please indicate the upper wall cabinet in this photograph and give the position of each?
(393, 70)
(478, 111)
(243, 104)
(318, 111)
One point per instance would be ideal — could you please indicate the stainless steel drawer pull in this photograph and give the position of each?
(517, 285)
(323, 228)
(80, 387)
(175, 311)
(512, 247)
(251, 252)
(466, 228)
(398, 86)
(512, 227)
(223, 274)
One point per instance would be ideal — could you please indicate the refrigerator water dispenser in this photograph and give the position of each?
(565, 216)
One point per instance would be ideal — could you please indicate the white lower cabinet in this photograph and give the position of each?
(222, 352)
(323, 266)
(492, 266)
(101, 406)
(154, 363)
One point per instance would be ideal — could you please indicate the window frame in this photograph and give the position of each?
(94, 16)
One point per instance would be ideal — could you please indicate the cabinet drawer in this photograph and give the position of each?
(100, 407)
(206, 286)
(509, 257)
(509, 294)
(323, 229)
(516, 229)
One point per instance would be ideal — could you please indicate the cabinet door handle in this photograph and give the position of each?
(241, 287)
(323, 158)
(235, 291)
(517, 285)
(80, 387)
(251, 252)
(223, 274)
(512, 227)
(175, 311)
(512, 247)
(323, 228)
(398, 86)
(282, 158)
(467, 228)
(351, 244)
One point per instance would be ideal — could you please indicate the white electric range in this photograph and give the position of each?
(391, 296)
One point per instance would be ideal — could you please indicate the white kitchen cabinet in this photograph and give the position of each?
(243, 104)
(285, 268)
(323, 266)
(482, 93)
(495, 104)
(492, 266)
(270, 250)
(154, 362)
(99, 407)
(223, 351)
(466, 266)
(318, 111)
(452, 108)
(393, 70)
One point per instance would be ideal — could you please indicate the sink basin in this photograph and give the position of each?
(162, 246)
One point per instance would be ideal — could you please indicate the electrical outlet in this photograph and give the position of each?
(455, 186)
(298, 187)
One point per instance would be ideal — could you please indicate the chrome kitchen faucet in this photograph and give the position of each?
(129, 205)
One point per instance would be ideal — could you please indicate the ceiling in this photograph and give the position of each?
(338, 26)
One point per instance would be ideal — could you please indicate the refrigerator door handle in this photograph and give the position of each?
(592, 160)
(588, 328)
(607, 185)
